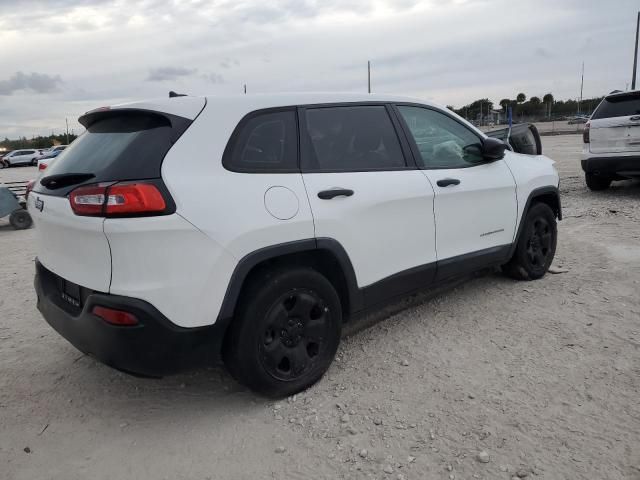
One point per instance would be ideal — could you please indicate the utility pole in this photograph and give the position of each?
(67, 122)
(369, 76)
(635, 55)
(581, 87)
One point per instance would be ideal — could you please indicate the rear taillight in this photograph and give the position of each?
(28, 188)
(585, 133)
(42, 166)
(115, 317)
(119, 199)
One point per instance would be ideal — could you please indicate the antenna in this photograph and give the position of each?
(245, 88)
(173, 94)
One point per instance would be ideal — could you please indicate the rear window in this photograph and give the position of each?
(117, 146)
(618, 106)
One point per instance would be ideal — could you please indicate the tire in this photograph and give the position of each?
(20, 219)
(286, 333)
(34, 162)
(596, 182)
(536, 245)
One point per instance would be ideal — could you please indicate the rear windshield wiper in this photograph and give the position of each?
(52, 182)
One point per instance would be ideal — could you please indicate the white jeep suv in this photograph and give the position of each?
(255, 225)
(612, 141)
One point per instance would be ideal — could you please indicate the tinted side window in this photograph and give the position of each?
(618, 106)
(441, 141)
(264, 142)
(358, 138)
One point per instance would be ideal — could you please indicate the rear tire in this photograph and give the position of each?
(597, 182)
(34, 162)
(286, 332)
(20, 219)
(536, 245)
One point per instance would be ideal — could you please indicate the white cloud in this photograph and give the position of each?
(450, 51)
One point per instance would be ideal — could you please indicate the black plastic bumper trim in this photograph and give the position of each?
(623, 166)
(155, 347)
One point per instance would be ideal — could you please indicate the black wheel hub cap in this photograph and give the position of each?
(297, 326)
(539, 243)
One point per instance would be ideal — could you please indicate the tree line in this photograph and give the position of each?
(534, 108)
(37, 142)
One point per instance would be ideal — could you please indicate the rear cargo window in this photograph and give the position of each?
(618, 106)
(117, 146)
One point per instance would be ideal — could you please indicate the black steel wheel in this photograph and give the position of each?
(536, 245)
(296, 332)
(287, 332)
(20, 219)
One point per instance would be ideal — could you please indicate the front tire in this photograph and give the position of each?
(536, 245)
(286, 333)
(596, 182)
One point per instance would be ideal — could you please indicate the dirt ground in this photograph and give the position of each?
(544, 377)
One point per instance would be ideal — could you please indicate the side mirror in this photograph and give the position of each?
(493, 149)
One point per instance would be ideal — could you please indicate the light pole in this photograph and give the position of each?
(369, 76)
(635, 55)
(581, 87)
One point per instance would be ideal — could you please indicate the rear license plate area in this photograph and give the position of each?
(70, 293)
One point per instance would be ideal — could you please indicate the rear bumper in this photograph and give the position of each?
(154, 347)
(628, 166)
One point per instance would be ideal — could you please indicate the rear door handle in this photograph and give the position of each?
(445, 182)
(635, 119)
(334, 192)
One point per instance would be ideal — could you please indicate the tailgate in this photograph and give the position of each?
(73, 247)
(120, 144)
(612, 135)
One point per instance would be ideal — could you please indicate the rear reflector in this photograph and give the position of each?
(115, 317)
(120, 199)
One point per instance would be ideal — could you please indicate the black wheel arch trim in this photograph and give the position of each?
(536, 193)
(253, 259)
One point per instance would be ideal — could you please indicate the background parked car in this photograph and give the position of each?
(20, 157)
(577, 120)
(612, 141)
(44, 162)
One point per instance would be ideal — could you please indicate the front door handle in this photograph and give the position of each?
(445, 182)
(635, 119)
(334, 192)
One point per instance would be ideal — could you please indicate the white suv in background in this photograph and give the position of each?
(256, 225)
(21, 157)
(612, 140)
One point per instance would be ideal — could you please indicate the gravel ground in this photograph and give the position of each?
(490, 379)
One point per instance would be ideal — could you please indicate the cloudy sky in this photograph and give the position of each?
(60, 58)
